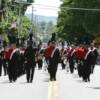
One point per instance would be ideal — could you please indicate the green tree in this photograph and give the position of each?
(14, 5)
(79, 23)
(26, 23)
(9, 12)
(24, 30)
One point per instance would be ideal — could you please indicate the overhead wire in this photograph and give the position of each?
(67, 8)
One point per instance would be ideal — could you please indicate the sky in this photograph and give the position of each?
(45, 7)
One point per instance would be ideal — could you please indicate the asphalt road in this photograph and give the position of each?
(67, 87)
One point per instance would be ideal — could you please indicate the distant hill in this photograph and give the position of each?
(40, 18)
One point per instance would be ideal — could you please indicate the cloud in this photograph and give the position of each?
(45, 7)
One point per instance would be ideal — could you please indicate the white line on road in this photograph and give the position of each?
(53, 91)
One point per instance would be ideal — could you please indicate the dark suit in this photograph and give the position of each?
(30, 63)
(13, 66)
(52, 68)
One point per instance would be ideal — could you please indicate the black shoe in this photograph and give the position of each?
(10, 81)
(5, 74)
(31, 81)
(50, 79)
(14, 79)
(54, 79)
(27, 81)
(88, 79)
(85, 80)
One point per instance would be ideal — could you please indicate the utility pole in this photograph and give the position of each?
(0, 4)
(32, 19)
(1, 10)
(20, 19)
(21, 3)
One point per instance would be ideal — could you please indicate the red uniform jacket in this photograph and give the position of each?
(62, 51)
(81, 52)
(49, 51)
(7, 53)
(69, 51)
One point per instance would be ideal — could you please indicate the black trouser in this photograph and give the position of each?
(80, 67)
(53, 75)
(92, 68)
(5, 66)
(0, 67)
(71, 64)
(63, 65)
(40, 63)
(52, 71)
(29, 72)
(12, 70)
(79, 70)
(86, 71)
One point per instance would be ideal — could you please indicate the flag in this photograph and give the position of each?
(13, 24)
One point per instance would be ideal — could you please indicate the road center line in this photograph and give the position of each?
(53, 92)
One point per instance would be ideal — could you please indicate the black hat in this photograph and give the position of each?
(30, 36)
(53, 38)
(62, 43)
(12, 39)
(4, 43)
(17, 42)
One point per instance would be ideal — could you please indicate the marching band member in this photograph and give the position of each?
(95, 55)
(70, 57)
(40, 58)
(30, 62)
(53, 61)
(80, 54)
(63, 54)
(13, 63)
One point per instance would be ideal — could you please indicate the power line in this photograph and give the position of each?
(46, 8)
(49, 7)
(68, 8)
(40, 6)
(85, 9)
(46, 5)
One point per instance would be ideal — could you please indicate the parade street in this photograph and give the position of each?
(67, 87)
